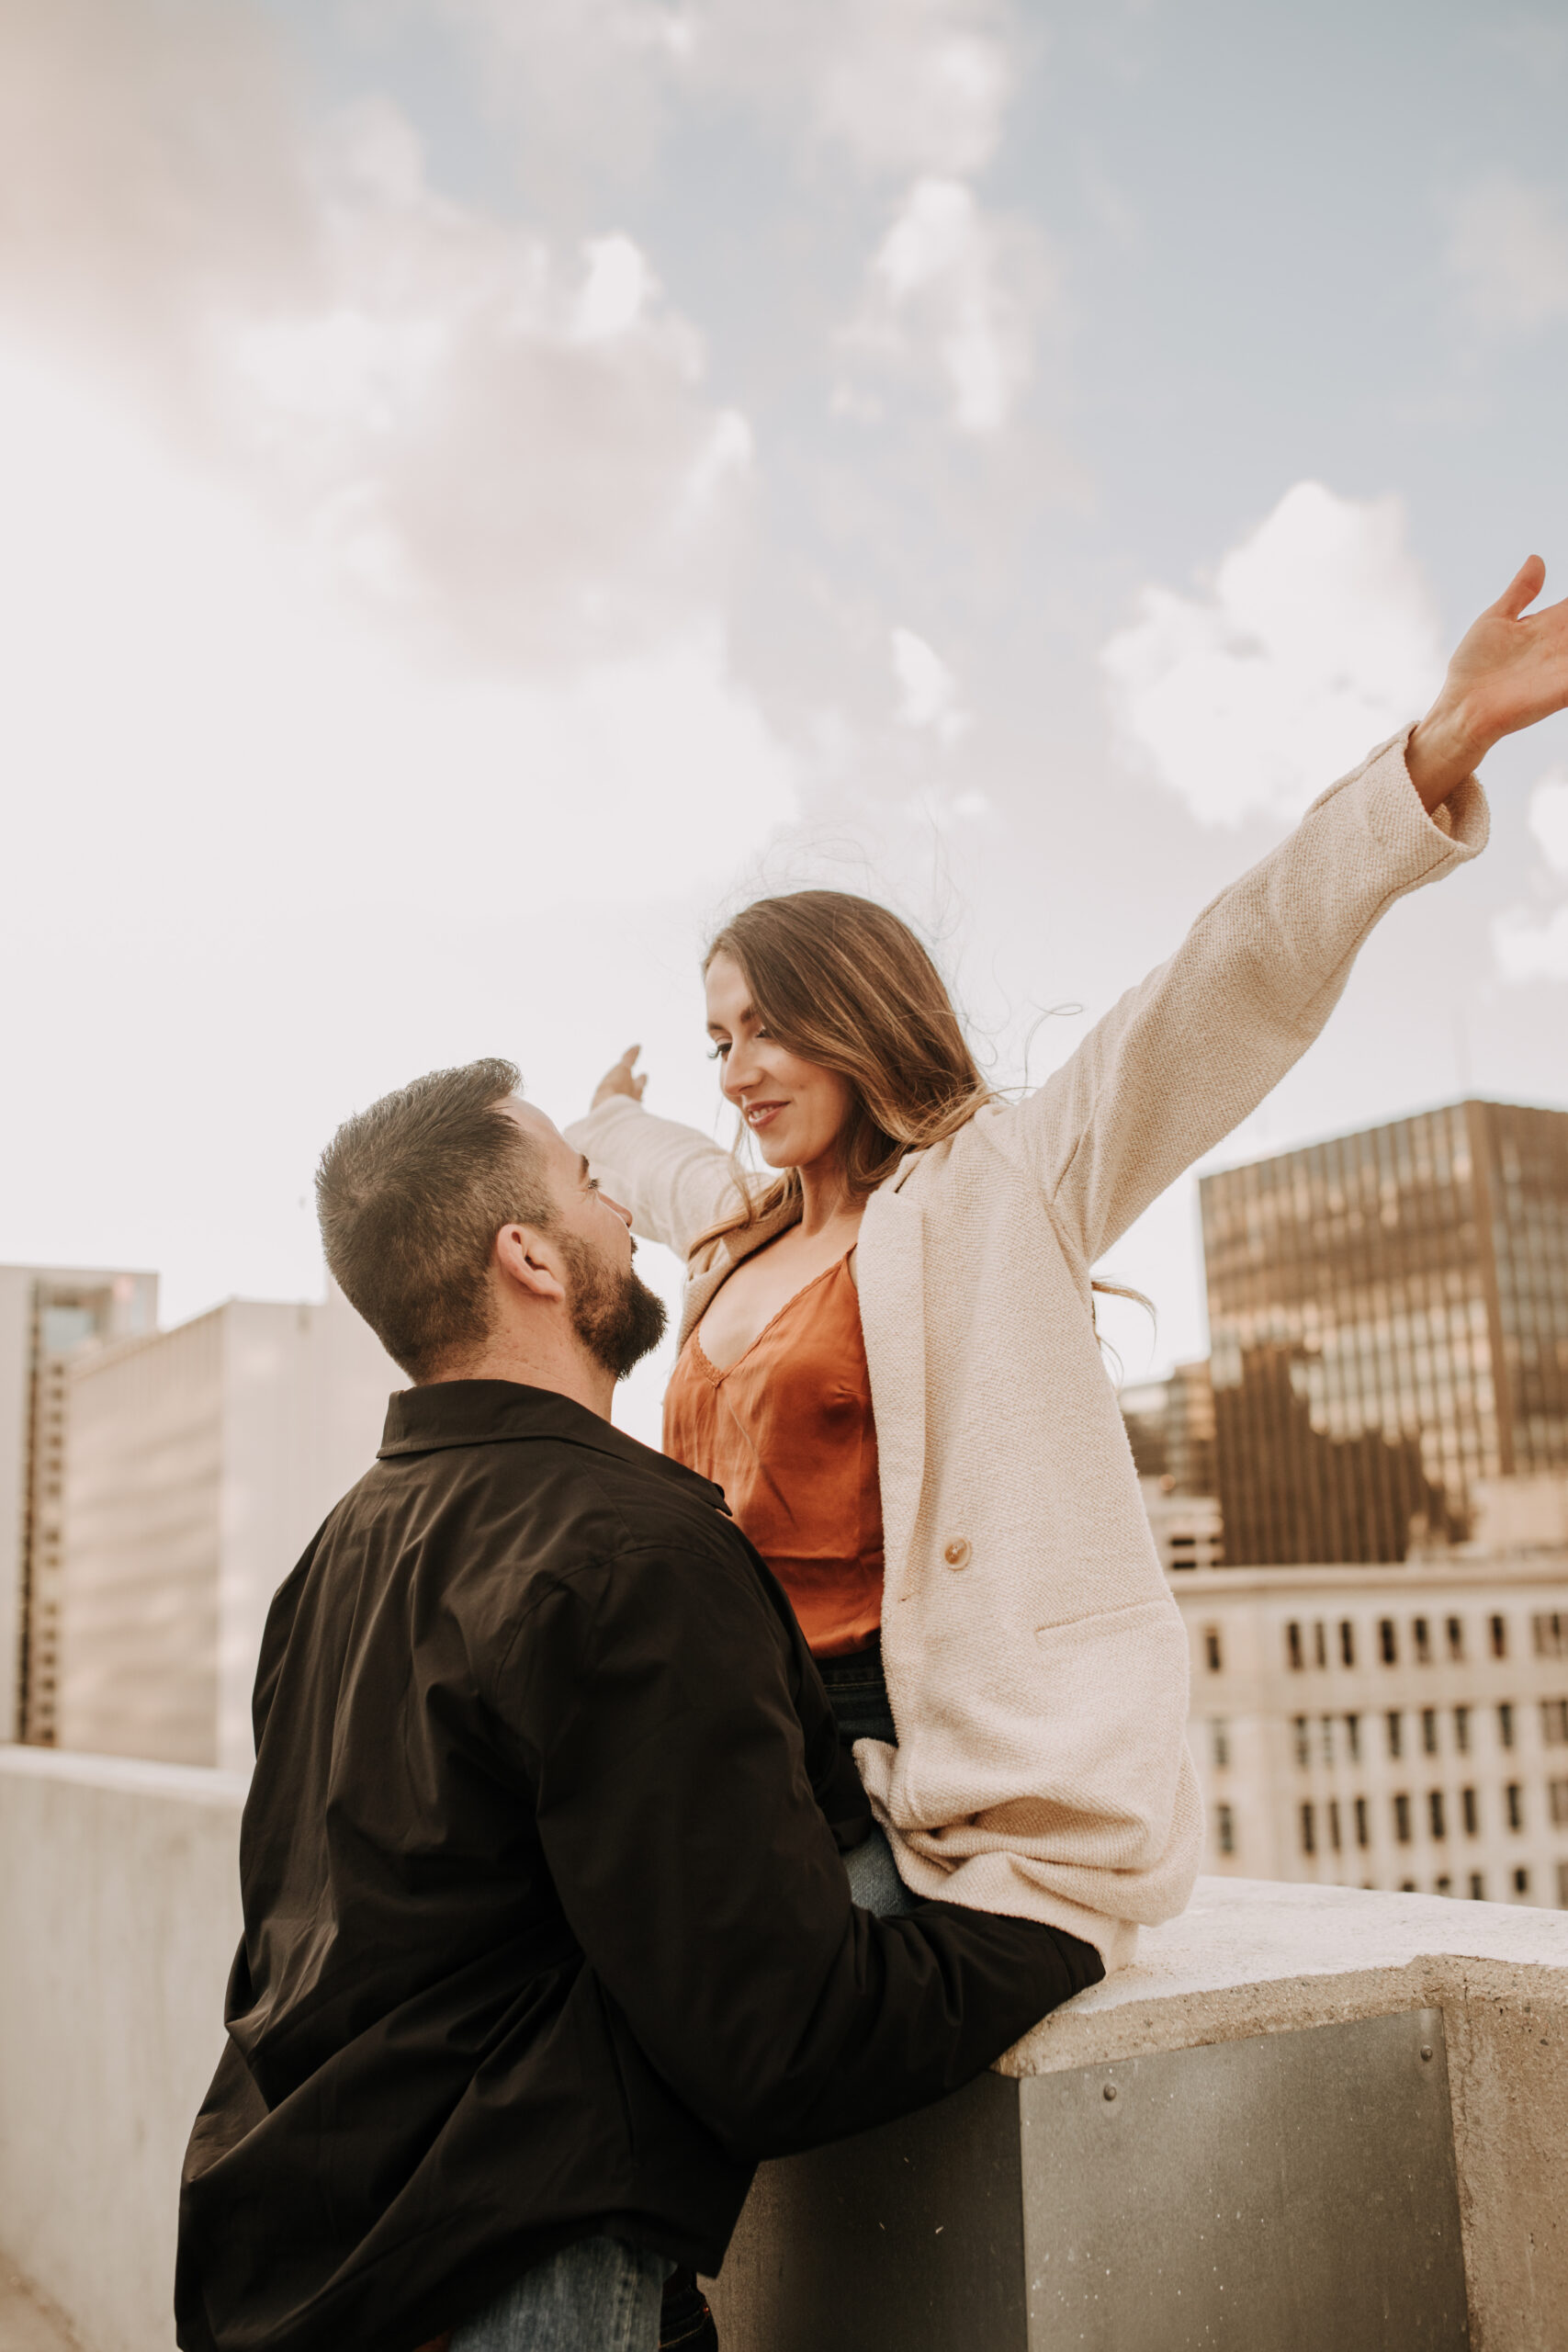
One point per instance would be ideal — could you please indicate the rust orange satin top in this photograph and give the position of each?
(787, 1433)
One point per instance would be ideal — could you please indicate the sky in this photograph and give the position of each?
(487, 486)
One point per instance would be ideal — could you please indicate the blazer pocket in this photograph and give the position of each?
(1113, 1695)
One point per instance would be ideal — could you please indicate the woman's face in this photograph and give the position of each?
(796, 1109)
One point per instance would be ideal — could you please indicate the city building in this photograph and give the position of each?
(1403, 1728)
(48, 1314)
(200, 1462)
(1388, 1318)
(1170, 1428)
(1186, 1528)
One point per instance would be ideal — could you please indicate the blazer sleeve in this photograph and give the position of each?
(1185, 1056)
(675, 1181)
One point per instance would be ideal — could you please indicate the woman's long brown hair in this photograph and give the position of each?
(845, 983)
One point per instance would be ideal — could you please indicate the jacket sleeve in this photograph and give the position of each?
(675, 1182)
(703, 1884)
(1185, 1056)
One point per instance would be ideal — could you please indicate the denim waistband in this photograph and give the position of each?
(858, 1667)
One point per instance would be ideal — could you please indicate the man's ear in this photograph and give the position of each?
(522, 1259)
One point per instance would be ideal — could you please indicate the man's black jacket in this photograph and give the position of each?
(547, 1931)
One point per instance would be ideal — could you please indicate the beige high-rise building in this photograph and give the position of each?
(1395, 1727)
(47, 1315)
(201, 1463)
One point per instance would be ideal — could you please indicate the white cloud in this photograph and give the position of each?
(1548, 818)
(928, 691)
(954, 289)
(895, 85)
(914, 87)
(195, 713)
(1318, 636)
(1526, 948)
(1508, 251)
(506, 450)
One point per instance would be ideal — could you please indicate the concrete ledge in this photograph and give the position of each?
(1298, 1975)
(1255, 1956)
(120, 1914)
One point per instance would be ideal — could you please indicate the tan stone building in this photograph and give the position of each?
(200, 1462)
(1403, 1728)
(48, 1315)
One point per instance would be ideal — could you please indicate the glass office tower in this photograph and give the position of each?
(1388, 1318)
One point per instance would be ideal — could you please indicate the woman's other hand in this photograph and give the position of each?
(1510, 670)
(619, 1078)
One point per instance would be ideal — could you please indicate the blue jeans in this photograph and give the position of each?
(599, 2295)
(858, 1690)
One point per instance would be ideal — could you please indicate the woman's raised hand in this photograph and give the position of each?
(619, 1080)
(1510, 668)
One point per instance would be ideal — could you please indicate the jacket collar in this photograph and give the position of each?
(503, 1412)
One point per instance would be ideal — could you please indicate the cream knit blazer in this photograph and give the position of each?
(1036, 1662)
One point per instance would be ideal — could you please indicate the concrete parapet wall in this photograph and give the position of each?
(119, 1920)
(1257, 1957)
(119, 1912)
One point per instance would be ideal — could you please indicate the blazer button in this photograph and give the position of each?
(956, 1554)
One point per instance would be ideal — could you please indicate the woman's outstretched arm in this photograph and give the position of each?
(1188, 1054)
(675, 1181)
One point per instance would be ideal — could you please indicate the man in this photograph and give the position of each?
(549, 1938)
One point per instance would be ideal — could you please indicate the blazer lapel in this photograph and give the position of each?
(891, 1272)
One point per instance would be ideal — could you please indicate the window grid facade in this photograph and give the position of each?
(1444, 1770)
(1389, 1323)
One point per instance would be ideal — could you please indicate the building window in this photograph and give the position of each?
(1407, 1887)
(1387, 1641)
(1563, 1886)
(1346, 1642)
(1309, 1830)
(1499, 1637)
(1396, 1722)
(1220, 1737)
(1554, 1722)
(1353, 1738)
(1557, 1798)
(1225, 1828)
(1506, 1724)
(1429, 1730)
(1402, 1819)
(1212, 1647)
(1477, 1887)
(1456, 1638)
(1521, 1882)
(1548, 1631)
(1462, 1730)
(1423, 1642)
(1472, 1815)
(1320, 1643)
(1435, 1812)
(1443, 1885)
(1515, 1800)
(1334, 1823)
(1363, 1834)
(1328, 1739)
(1303, 1742)
(1295, 1659)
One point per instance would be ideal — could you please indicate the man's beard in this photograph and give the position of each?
(618, 1319)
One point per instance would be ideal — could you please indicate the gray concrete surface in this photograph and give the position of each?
(121, 1917)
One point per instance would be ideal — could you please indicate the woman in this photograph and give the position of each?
(888, 1353)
